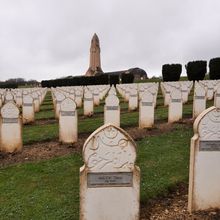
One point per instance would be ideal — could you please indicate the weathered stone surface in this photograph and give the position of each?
(175, 109)
(28, 109)
(199, 101)
(204, 178)
(59, 98)
(133, 100)
(68, 121)
(10, 129)
(112, 110)
(109, 180)
(146, 110)
(88, 105)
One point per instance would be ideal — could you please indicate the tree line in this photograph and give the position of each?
(195, 70)
(18, 82)
(102, 79)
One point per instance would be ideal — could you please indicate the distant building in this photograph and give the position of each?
(95, 63)
(95, 60)
(138, 73)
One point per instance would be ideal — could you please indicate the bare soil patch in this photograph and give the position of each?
(174, 207)
(51, 149)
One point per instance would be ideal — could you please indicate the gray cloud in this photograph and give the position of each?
(46, 39)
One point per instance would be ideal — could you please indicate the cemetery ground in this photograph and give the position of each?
(42, 182)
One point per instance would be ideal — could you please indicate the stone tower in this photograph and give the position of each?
(95, 60)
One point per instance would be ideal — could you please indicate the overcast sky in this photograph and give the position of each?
(45, 39)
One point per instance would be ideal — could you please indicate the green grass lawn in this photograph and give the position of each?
(34, 133)
(50, 189)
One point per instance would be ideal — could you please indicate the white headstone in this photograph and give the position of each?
(68, 121)
(78, 98)
(204, 178)
(88, 103)
(133, 100)
(175, 109)
(9, 97)
(109, 180)
(59, 98)
(28, 109)
(96, 97)
(199, 101)
(36, 102)
(10, 128)
(146, 110)
(112, 110)
(217, 97)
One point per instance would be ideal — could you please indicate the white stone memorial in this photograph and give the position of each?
(88, 104)
(217, 97)
(28, 109)
(68, 121)
(96, 97)
(109, 179)
(199, 100)
(59, 98)
(112, 110)
(133, 100)
(10, 129)
(146, 110)
(204, 175)
(175, 110)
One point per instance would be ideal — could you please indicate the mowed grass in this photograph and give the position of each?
(50, 189)
(44, 132)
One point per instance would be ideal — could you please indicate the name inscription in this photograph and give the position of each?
(9, 120)
(67, 113)
(176, 100)
(147, 103)
(111, 107)
(199, 97)
(209, 146)
(110, 179)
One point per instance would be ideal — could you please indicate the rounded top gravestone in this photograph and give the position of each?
(68, 105)
(59, 97)
(207, 124)
(109, 149)
(9, 97)
(176, 95)
(199, 91)
(147, 97)
(112, 100)
(27, 99)
(78, 93)
(88, 95)
(10, 110)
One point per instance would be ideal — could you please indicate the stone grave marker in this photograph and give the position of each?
(109, 179)
(10, 129)
(19, 98)
(199, 100)
(96, 97)
(204, 175)
(9, 97)
(59, 97)
(36, 102)
(1, 100)
(184, 91)
(112, 110)
(175, 110)
(68, 121)
(28, 109)
(217, 97)
(133, 100)
(146, 110)
(88, 104)
(78, 98)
